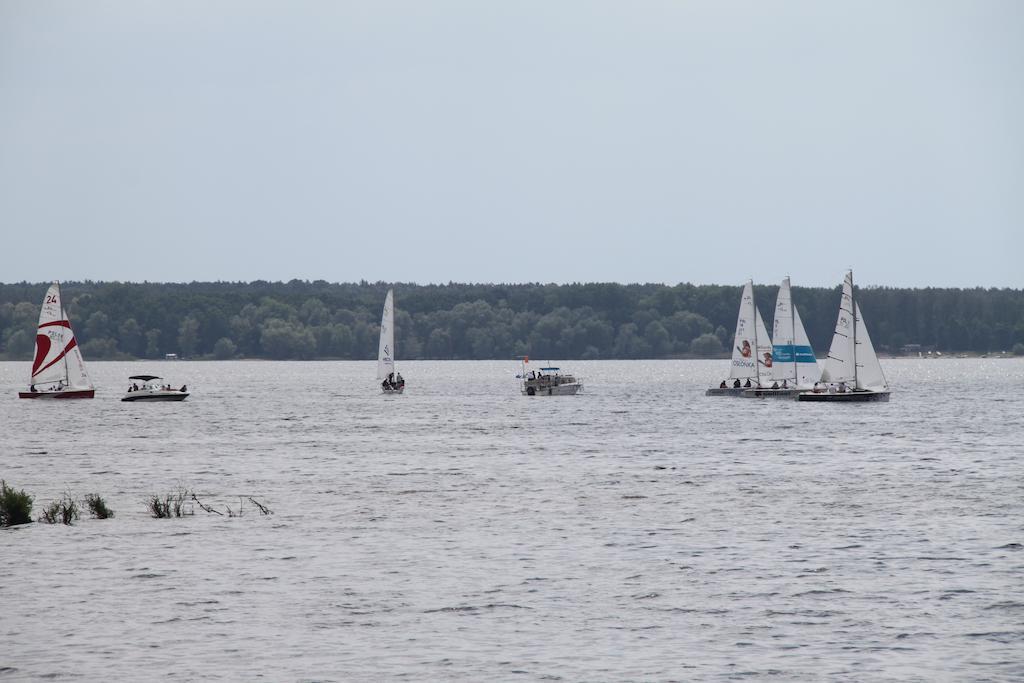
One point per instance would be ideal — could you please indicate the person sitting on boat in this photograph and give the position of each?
(183, 389)
(33, 389)
(722, 385)
(785, 384)
(747, 385)
(736, 384)
(842, 388)
(775, 384)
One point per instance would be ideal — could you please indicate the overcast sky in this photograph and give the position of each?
(549, 141)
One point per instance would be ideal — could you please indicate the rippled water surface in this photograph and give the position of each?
(638, 531)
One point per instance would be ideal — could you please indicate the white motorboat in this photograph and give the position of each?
(153, 388)
(548, 381)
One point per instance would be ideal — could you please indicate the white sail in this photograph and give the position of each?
(386, 349)
(839, 364)
(744, 347)
(869, 370)
(852, 357)
(57, 356)
(792, 354)
(752, 347)
(764, 351)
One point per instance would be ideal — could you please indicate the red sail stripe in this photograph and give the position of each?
(71, 344)
(61, 323)
(42, 348)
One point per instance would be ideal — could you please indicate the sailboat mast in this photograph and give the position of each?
(757, 362)
(792, 333)
(64, 316)
(853, 309)
(394, 354)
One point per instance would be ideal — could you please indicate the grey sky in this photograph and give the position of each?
(526, 141)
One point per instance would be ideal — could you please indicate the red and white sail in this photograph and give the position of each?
(57, 357)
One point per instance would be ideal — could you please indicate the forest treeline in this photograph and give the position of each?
(306, 320)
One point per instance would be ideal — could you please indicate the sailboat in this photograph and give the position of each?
(391, 382)
(794, 367)
(852, 371)
(751, 352)
(58, 370)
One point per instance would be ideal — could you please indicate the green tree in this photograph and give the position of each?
(224, 349)
(130, 338)
(706, 346)
(657, 339)
(188, 336)
(97, 326)
(153, 344)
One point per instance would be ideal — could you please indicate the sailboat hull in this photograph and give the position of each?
(71, 393)
(728, 391)
(772, 393)
(392, 391)
(846, 397)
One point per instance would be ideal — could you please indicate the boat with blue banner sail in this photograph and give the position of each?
(852, 372)
(547, 381)
(794, 367)
(751, 351)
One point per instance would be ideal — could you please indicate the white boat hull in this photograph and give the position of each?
(154, 395)
(726, 391)
(570, 389)
(399, 390)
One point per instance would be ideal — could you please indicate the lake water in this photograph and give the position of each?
(638, 531)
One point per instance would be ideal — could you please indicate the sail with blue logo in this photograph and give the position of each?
(792, 356)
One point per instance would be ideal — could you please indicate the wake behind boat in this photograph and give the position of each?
(852, 371)
(151, 390)
(58, 370)
(751, 350)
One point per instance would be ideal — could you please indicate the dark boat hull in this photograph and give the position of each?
(772, 393)
(179, 396)
(846, 397)
(76, 393)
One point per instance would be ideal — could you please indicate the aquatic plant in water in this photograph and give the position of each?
(97, 506)
(171, 505)
(63, 511)
(15, 506)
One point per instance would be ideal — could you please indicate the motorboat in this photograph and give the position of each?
(152, 388)
(548, 381)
